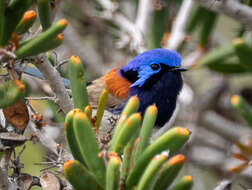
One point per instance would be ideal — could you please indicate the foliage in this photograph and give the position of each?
(139, 162)
(127, 160)
(129, 149)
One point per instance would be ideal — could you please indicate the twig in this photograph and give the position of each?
(61, 154)
(58, 162)
(178, 28)
(202, 141)
(224, 185)
(220, 125)
(128, 27)
(48, 167)
(54, 79)
(42, 163)
(4, 184)
(54, 99)
(4, 166)
(137, 42)
(144, 13)
(231, 8)
(192, 58)
(49, 143)
(16, 164)
(4, 55)
(108, 5)
(19, 153)
(205, 163)
(61, 63)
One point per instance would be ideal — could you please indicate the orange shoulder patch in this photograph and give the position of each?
(116, 85)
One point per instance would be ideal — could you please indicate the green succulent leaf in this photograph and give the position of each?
(89, 147)
(243, 108)
(79, 176)
(78, 83)
(172, 140)
(44, 9)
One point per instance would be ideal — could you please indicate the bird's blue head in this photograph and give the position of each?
(150, 63)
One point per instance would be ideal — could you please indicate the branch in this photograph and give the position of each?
(49, 142)
(224, 185)
(231, 8)
(137, 41)
(144, 13)
(43, 98)
(108, 5)
(191, 59)
(5, 55)
(54, 79)
(178, 27)
(4, 184)
(128, 27)
(4, 166)
(204, 163)
(223, 127)
(45, 140)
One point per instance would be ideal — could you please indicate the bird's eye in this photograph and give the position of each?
(155, 66)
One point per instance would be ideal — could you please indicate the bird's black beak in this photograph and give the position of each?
(179, 69)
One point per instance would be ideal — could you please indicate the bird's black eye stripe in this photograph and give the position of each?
(155, 66)
(130, 75)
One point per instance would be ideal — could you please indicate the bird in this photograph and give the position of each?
(154, 76)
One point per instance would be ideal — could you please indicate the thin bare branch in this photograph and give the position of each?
(222, 126)
(4, 184)
(61, 63)
(231, 8)
(192, 58)
(4, 165)
(178, 28)
(47, 141)
(54, 79)
(54, 99)
(44, 138)
(144, 14)
(5, 55)
(224, 185)
(129, 28)
(137, 42)
(108, 5)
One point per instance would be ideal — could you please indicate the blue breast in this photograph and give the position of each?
(163, 93)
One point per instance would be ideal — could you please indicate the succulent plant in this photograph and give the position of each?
(130, 161)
